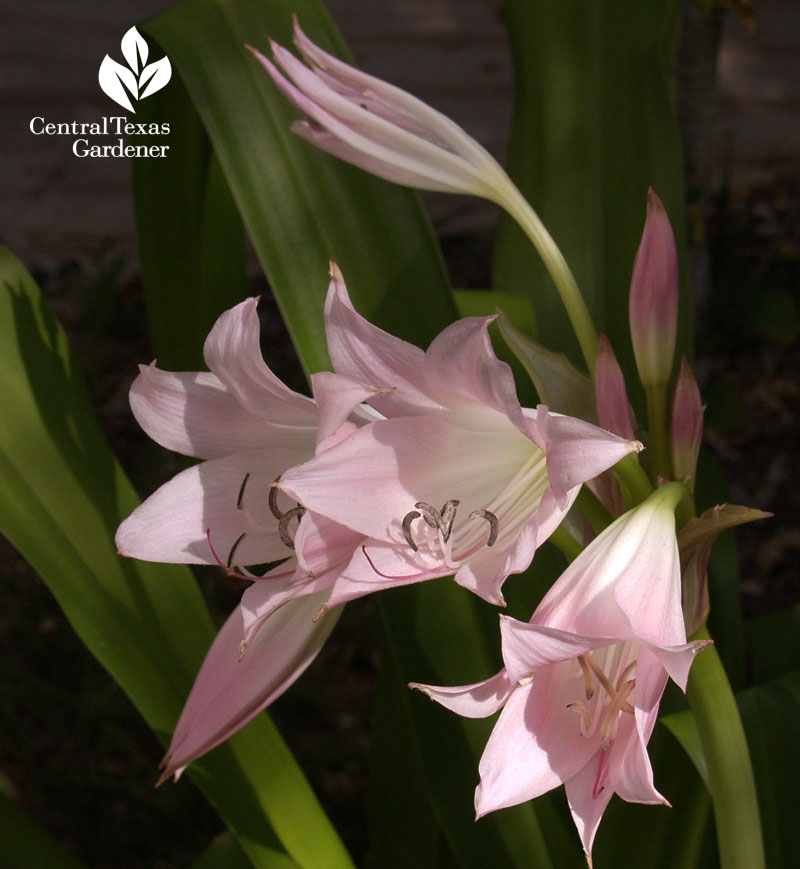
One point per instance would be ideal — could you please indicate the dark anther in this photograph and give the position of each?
(273, 499)
(241, 491)
(494, 525)
(429, 514)
(407, 520)
(233, 548)
(442, 519)
(448, 516)
(283, 525)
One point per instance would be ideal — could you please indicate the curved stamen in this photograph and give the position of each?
(586, 716)
(448, 517)
(231, 572)
(601, 676)
(429, 514)
(273, 498)
(617, 704)
(241, 491)
(407, 520)
(283, 525)
(238, 540)
(494, 525)
(442, 519)
(588, 679)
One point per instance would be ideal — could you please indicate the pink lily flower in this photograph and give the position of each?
(458, 479)
(249, 428)
(379, 127)
(583, 679)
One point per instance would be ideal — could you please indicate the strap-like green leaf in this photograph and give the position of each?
(63, 495)
(24, 844)
(594, 124)
(301, 207)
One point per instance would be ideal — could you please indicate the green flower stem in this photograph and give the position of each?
(633, 477)
(659, 436)
(565, 543)
(519, 208)
(730, 773)
(593, 509)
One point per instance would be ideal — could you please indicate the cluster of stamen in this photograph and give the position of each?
(442, 521)
(617, 694)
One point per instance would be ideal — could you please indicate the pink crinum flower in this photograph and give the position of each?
(249, 428)
(583, 679)
(458, 478)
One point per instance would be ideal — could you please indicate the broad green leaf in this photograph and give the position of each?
(594, 124)
(771, 717)
(684, 728)
(770, 714)
(773, 644)
(223, 853)
(192, 255)
(63, 497)
(398, 799)
(301, 207)
(24, 844)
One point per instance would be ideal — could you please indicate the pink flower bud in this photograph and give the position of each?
(687, 425)
(613, 407)
(654, 296)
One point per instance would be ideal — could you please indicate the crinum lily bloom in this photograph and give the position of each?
(378, 126)
(248, 427)
(459, 478)
(583, 679)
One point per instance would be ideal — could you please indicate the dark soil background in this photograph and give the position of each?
(74, 753)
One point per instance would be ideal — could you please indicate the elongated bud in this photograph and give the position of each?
(613, 407)
(654, 296)
(687, 425)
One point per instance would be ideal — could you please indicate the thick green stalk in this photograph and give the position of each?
(565, 543)
(520, 209)
(593, 509)
(659, 435)
(730, 773)
(633, 478)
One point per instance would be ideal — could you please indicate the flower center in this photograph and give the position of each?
(607, 688)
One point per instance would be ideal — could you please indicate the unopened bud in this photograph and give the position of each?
(613, 407)
(654, 296)
(687, 426)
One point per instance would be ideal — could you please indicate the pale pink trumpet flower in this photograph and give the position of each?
(458, 479)
(248, 427)
(583, 679)
(377, 126)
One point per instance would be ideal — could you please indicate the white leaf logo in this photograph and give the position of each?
(137, 80)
